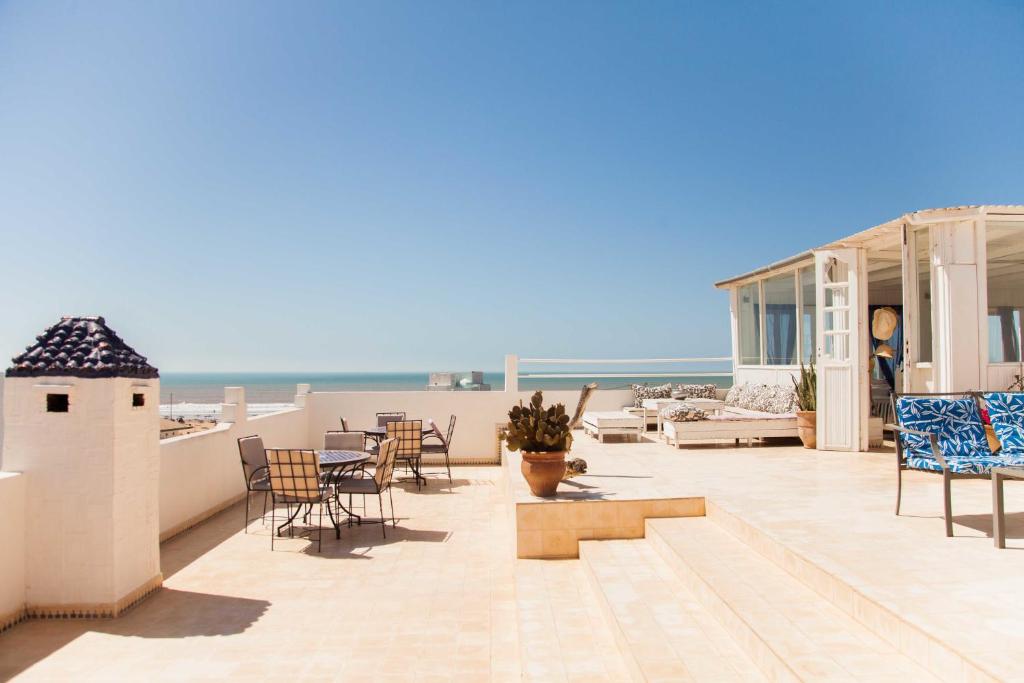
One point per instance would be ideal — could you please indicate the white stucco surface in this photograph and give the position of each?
(12, 543)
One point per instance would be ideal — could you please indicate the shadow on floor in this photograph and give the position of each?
(983, 523)
(167, 613)
(185, 548)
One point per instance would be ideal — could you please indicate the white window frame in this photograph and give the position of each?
(794, 271)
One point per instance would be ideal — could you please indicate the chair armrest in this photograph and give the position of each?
(258, 473)
(933, 440)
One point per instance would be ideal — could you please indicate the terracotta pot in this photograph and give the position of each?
(807, 427)
(543, 471)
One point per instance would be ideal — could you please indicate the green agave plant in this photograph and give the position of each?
(807, 388)
(536, 429)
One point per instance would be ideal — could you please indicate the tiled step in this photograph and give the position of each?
(786, 628)
(663, 633)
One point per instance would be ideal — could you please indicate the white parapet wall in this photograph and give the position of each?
(12, 548)
(200, 474)
(478, 413)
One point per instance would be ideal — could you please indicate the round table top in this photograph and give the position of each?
(340, 458)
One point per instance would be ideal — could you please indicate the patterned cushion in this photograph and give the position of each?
(956, 422)
(682, 412)
(695, 391)
(766, 398)
(641, 391)
(959, 464)
(1006, 411)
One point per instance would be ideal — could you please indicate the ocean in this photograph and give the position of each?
(199, 394)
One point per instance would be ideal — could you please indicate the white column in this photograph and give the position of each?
(956, 365)
(511, 372)
(234, 408)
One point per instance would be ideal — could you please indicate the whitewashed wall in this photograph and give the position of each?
(12, 547)
(200, 473)
(479, 413)
(767, 374)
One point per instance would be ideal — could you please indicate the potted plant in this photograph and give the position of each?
(806, 404)
(543, 437)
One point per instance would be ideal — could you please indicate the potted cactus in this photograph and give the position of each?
(806, 406)
(543, 437)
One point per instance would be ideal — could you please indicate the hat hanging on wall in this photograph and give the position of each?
(884, 322)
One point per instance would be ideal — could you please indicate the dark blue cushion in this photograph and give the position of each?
(955, 421)
(1006, 412)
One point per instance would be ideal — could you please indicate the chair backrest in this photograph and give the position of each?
(343, 441)
(344, 424)
(955, 419)
(294, 474)
(385, 463)
(451, 431)
(440, 435)
(254, 458)
(410, 437)
(577, 417)
(384, 418)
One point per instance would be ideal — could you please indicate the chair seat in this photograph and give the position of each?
(349, 485)
(965, 464)
(325, 495)
(432, 448)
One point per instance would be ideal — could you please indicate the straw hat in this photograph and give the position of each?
(884, 322)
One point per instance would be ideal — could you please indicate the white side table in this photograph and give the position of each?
(656, 404)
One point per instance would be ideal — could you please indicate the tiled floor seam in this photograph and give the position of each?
(771, 663)
(732, 524)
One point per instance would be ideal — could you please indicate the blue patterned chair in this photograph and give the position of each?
(944, 434)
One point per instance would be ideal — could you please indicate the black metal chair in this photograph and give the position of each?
(295, 480)
(444, 445)
(384, 418)
(409, 434)
(359, 482)
(344, 441)
(255, 471)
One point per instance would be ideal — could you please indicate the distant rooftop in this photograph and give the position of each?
(81, 347)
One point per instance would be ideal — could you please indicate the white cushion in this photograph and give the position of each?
(605, 419)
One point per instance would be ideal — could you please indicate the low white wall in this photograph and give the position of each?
(478, 412)
(201, 473)
(12, 547)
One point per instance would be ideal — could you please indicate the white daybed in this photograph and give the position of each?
(603, 423)
(732, 422)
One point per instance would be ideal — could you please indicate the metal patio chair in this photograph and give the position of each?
(384, 418)
(359, 482)
(255, 471)
(344, 441)
(295, 480)
(444, 445)
(409, 434)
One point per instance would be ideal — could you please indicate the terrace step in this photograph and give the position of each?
(788, 629)
(663, 633)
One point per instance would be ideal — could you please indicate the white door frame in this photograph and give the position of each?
(842, 349)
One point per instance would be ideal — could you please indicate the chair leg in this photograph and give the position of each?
(320, 528)
(248, 495)
(899, 486)
(273, 525)
(383, 524)
(448, 466)
(266, 496)
(391, 498)
(947, 502)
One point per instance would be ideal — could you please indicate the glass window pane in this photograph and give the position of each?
(808, 331)
(924, 297)
(750, 325)
(1005, 273)
(780, 319)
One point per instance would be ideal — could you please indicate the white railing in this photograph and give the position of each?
(512, 374)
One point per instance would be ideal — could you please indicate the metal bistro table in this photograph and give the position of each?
(336, 462)
(998, 516)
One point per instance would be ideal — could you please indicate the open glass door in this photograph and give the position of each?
(842, 370)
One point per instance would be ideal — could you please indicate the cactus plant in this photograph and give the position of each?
(807, 388)
(535, 429)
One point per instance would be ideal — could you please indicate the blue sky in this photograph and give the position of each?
(396, 186)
